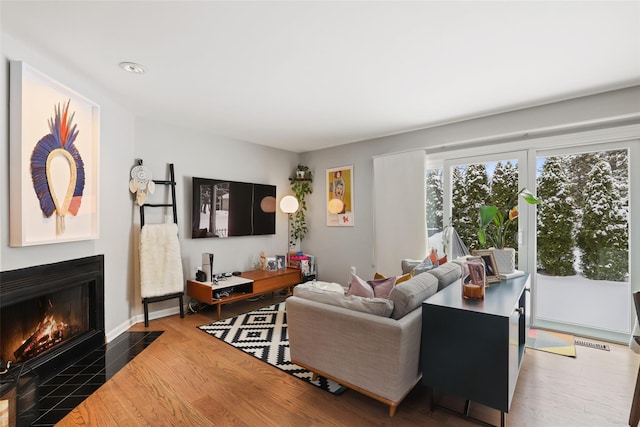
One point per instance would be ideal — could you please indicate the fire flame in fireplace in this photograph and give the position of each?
(48, 333)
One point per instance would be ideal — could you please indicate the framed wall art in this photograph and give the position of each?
(340, 197)
(54, 160)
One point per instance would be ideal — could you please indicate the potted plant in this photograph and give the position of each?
(494, 225)
(301, 187)
(302, 173)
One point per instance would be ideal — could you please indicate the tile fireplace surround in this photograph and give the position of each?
(51, 316)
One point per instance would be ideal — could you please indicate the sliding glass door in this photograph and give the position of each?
(583, 278)
(496, 179)
(576, 244)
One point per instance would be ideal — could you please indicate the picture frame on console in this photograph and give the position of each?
(491, 269)
(281, 262)
(272, 264)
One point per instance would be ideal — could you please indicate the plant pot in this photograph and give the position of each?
(300, 174)
(505, 260)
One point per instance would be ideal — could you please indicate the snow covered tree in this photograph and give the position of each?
(556, 219)
(476, 186)
(603, 236)
(434, 200)
(458, 199)
(504, 187)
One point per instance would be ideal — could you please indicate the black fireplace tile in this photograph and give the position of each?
(114, 367)
(95, 357)
(78, 379)
(70, 402)
(93, 369)
(72, 370)
(46, 389)
(64, 390)
(86, 390)
(58, 380)
(50, 418)
(98, 379)
(47, 403)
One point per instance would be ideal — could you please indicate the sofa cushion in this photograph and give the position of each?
(376, 306)
(446, 274)
(403, 278)
(379, 288)
(409, 264)
(424, 266)
(359, 287)
(433, 256)
(399, 279)
(382, 287)
(409, 295)
(327, 286)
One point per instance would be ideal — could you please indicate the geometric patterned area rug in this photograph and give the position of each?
(263, 335)
(551, 342)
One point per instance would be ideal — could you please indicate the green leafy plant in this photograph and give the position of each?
(301, 187)
(495, 223)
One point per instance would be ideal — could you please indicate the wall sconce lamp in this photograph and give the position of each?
(289, 205)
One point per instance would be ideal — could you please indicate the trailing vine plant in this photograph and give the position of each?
(301, 187)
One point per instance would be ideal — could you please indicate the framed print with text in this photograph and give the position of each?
(340, 197)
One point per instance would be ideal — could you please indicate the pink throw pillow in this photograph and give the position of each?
(382, 287)
(359, 287)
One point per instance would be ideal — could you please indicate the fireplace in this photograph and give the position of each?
(50, 315)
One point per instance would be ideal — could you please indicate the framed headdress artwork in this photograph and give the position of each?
(54, 160)
(340, 197)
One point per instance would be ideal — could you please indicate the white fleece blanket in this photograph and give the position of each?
(160, 260)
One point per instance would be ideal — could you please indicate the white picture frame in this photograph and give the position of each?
(339, 197)
(65, 173)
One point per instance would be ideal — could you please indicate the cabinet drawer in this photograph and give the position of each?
(276, 282)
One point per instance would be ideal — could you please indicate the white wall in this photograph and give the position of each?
(116, 148)
(124, 138)
(196, 154)
(338, 248)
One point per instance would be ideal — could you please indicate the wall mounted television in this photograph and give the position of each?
(222, 208)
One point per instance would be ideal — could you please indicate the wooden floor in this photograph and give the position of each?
(188, 378)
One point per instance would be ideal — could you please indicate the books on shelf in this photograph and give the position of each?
(516, 273)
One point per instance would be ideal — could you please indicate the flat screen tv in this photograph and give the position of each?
(229, 208)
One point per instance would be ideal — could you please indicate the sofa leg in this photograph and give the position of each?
(314, 376)
(392, 410)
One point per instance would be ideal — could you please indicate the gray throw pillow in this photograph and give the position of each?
(446, 274)
(408, 296)
(409, 264)
(424, 266)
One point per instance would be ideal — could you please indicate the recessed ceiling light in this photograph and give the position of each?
(132, 67)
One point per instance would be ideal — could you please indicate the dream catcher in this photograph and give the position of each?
(141, 183)
(59, 143)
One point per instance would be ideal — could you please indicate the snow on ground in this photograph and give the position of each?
(575, 299)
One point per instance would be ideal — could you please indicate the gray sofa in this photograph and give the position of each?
(371, 345)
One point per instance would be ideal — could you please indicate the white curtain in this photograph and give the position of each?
(399, 210)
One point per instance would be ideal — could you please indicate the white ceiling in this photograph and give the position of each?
(304, 75)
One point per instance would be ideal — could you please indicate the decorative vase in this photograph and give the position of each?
(474, 283)
(505, 260)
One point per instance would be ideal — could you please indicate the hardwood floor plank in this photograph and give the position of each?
(187, 377)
